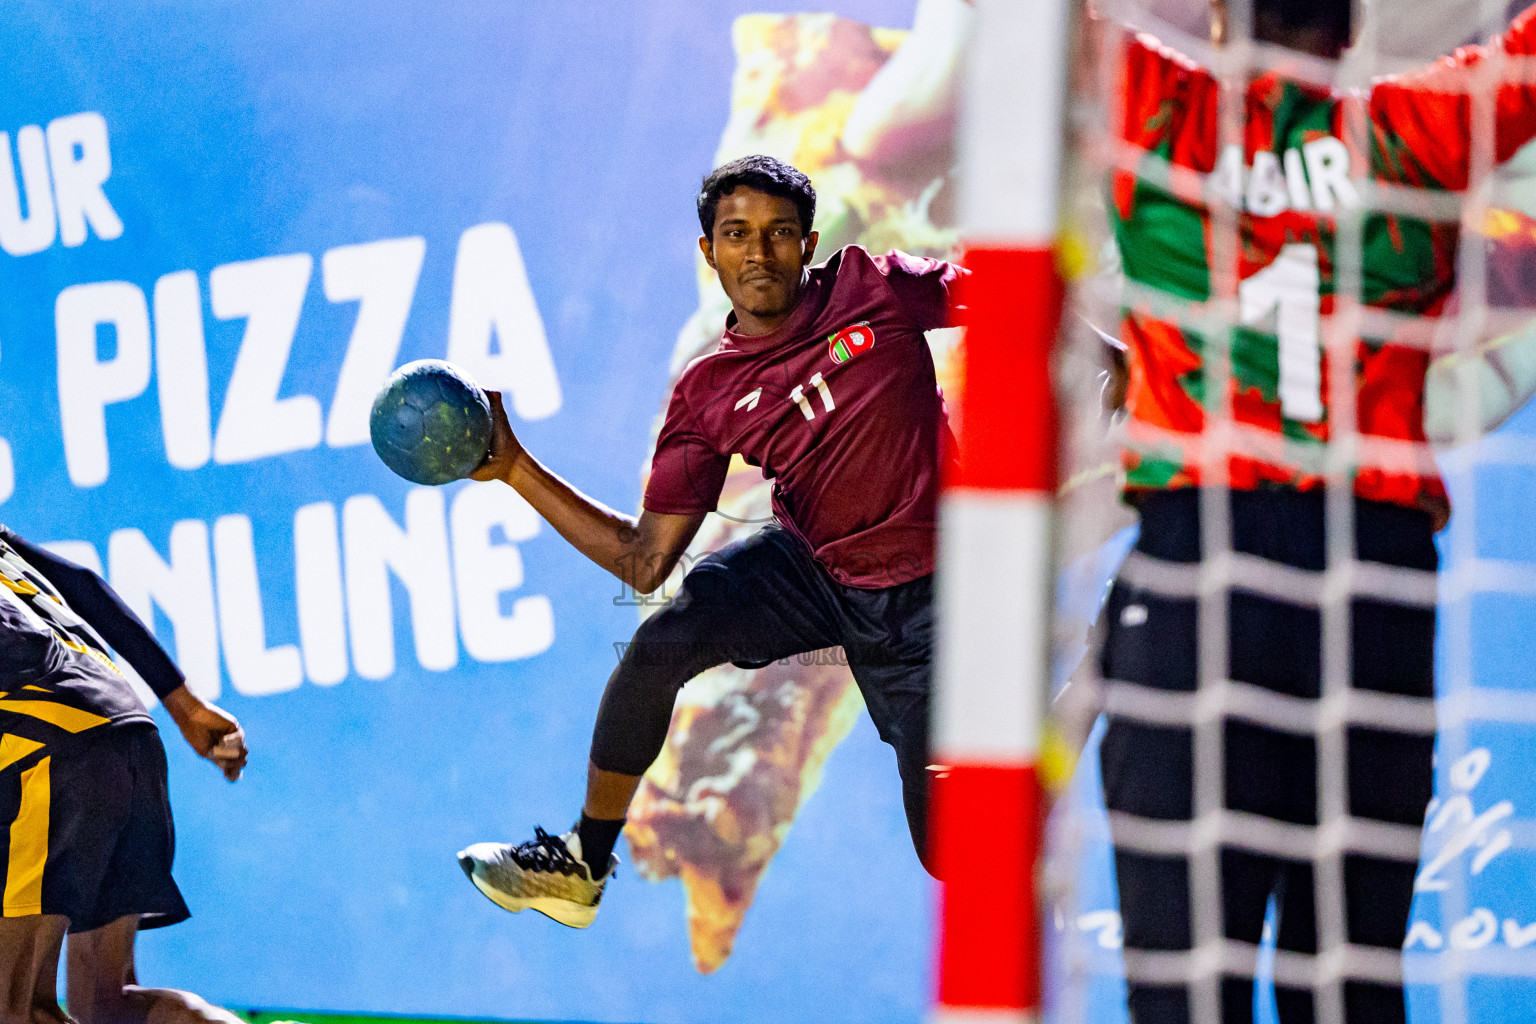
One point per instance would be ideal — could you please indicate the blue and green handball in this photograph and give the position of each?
(430, 423)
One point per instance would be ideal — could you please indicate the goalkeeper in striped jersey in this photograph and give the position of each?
(1279, 773)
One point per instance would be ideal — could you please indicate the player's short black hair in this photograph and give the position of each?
(763, 173)
(1328, 24)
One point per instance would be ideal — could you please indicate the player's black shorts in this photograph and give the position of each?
(88, 831)
(759, 600)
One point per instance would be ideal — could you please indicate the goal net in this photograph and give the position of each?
(1297, 332)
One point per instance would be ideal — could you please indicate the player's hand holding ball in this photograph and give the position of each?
(504, 448)
(210, 730)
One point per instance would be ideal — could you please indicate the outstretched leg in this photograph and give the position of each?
(752, 603)
(104, 988)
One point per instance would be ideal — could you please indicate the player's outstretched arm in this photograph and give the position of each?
(641, 552)
(209, 730)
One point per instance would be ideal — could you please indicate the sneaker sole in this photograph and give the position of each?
(572, 915)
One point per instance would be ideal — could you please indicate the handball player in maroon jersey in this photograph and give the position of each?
(823, 379)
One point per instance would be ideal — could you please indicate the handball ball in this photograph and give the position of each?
(430, 423)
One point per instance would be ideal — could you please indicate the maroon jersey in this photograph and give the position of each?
(839, 408)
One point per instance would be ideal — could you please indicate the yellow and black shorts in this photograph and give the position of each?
(88, 831)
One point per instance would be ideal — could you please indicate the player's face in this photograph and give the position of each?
(760, 254)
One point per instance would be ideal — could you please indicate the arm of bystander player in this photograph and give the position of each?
(209, 730)
(212, 732)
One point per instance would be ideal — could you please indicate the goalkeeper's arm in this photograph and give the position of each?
(1500, 375)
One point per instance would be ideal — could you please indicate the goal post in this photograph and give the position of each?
(996, 565)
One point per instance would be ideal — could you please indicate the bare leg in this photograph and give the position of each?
(609, 793)
(45, 994)
(27, 946)
(103, 988)
(100, 965)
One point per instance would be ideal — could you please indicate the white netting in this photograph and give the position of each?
(1471, 941)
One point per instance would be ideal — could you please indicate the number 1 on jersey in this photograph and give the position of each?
(1293, 285)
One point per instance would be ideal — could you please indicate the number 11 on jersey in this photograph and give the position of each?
(798, 396)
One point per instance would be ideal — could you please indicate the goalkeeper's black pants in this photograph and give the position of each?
(1261, 756)
(764, 599)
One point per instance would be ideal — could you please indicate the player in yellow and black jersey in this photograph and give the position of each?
(86, 837)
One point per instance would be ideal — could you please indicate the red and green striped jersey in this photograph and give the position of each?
(1289, 180)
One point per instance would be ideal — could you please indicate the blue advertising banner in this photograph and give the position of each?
(222, 225)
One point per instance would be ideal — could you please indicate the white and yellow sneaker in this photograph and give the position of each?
(546, 874)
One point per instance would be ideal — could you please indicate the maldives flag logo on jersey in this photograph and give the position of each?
(843, 345)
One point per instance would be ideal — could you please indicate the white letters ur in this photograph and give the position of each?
(60, 189)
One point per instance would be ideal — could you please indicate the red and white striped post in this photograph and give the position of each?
(996, 572)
